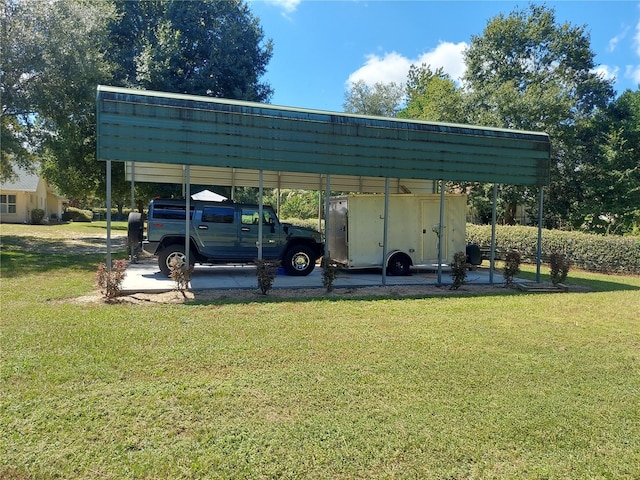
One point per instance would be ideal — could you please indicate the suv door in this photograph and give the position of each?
(216, 228)
(272, 235)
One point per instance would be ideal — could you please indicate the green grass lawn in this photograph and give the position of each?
(487, 387)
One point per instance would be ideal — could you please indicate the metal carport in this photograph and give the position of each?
(169, 137)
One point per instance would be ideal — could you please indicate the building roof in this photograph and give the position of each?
(24, 181)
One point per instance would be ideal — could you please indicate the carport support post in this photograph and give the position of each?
(132, 252)
(440, 232)
(492, 247)
(260, 208)
(385, 231)
(108, 166)
(187, 217)
(539, 255)
(327, 195)
(133, 186)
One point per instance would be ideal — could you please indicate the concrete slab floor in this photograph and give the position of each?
(145, 277)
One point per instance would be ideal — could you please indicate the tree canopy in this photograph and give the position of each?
(528, 72)
(56, 53)
(50, 65)
(432, 96)
(207, 48)
(524, 71)
(381, 99)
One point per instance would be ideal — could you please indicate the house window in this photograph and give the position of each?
(8, 204)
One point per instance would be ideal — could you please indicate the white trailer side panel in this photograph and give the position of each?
(357, 223)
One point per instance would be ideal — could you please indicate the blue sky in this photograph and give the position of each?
(322, 45)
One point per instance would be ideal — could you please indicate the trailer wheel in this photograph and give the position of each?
(299, 261)
(135, 227)
(399, 265)
(171, 253)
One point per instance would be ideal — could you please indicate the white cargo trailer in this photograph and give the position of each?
(356, 231)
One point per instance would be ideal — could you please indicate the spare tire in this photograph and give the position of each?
(135, 230)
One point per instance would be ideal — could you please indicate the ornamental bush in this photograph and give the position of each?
(266, 271)
(559, 268)
(330, 270)
(459, 268)
(511, 266)
(110, 280)
(181, 274)
(37, 215)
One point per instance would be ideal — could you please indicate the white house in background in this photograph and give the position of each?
(25, 192)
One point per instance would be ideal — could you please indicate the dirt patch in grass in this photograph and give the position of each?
(254, 295)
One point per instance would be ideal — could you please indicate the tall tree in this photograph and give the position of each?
(207, 47)
(528, 72)
(51, 62)
(55, 53)
(611, 190)
(381, 99)
(432, 96)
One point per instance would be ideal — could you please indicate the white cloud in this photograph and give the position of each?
(633, 72)
(449, 56)
(289, 6)
(394, 67)
(607, 72)
(613, 42)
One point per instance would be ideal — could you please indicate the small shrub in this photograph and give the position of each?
(181, 274)
(266, 273)
(511, 266)
(37, 215)
(559, 267)
(330, 270)
(459, 268)
(110, 282)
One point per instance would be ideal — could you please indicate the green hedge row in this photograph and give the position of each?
(100, 213)
(596, 253)
(302, 222)
(73, 214)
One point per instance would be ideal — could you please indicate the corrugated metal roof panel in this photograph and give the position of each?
(172, 173)
(153, 127)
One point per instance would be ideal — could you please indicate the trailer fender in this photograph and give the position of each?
(398, 263)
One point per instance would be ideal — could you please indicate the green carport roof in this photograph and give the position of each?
(163, 131)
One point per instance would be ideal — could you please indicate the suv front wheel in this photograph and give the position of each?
(299, 261)
(173, 253)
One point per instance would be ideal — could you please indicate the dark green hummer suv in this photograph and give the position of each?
(224, 232)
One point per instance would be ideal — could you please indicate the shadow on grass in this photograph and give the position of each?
(102, 225)
(201, 298)
(22, 255)
(581, 284)
(577, 285)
